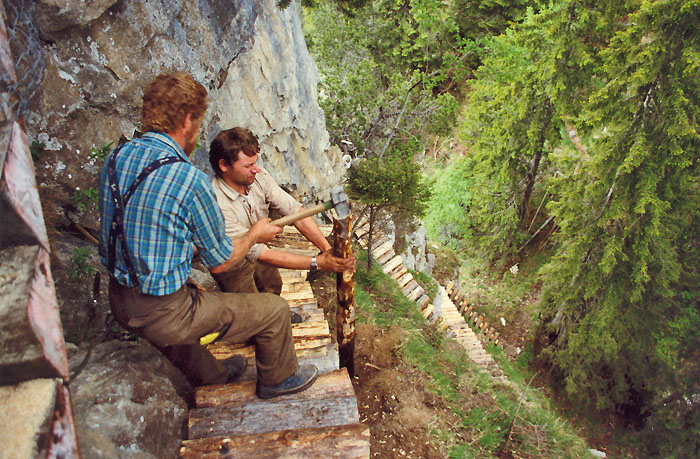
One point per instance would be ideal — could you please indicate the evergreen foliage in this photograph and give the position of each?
(392, 181)
(385, 88)
(531, 82)
(621, 295)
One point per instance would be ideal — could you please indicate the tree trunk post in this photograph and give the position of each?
(345, 315)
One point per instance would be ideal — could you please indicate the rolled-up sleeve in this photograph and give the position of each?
(207, 226)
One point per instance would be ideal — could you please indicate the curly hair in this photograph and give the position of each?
(228, 143)
(168, 99)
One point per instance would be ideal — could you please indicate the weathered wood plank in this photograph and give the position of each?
(293, 303)
(393, 264)
(271, 416)
(224, 350)
(310, 315)
(324, 361)
(329, 385)
(408, 288)
(303, 295)
(382, 249)
(415, 294)
(346, 441)
(404, 279)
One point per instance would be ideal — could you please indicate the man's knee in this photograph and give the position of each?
(275, 306)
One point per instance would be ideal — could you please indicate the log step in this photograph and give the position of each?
(346, 441)
(392, 264)
(272, 415)
(330, 385)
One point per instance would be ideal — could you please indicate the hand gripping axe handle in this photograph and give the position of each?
(339, 201)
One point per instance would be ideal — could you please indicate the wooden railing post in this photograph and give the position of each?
(345, 316)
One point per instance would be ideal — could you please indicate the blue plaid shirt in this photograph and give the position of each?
(173, 210)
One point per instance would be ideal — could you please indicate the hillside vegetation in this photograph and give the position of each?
(566, 131)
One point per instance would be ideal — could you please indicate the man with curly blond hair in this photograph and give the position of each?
(156, 210)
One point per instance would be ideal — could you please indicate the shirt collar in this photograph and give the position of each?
(228, 190)
(166, 139)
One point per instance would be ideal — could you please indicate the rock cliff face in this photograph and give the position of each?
(249, 54)
(80, 67)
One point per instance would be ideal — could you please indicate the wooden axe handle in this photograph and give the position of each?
(289, 219)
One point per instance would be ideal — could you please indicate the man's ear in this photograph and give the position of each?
(224, 165)
(187, 122)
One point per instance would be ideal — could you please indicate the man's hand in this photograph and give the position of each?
(262, 231)
(327, 262)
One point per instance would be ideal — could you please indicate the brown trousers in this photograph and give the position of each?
(174, 323)
(250, 278)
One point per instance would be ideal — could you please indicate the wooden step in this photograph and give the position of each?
(392, 264)
(307, 295)
(311, 315)
(293, 287)
(303, 303)
(423, 301)
(330, 385)
(273, 415)
(347, 441)
(415, 294)
(386, 257)
(382, 249)
(306, 335)
(324, 356)
(404, 279)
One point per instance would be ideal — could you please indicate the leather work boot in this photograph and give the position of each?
(235, 365)
(299, 381)
(297, 318)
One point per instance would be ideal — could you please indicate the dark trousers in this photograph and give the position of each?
(250, 278)
(174, 323)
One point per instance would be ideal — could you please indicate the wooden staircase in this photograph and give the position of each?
(450, 316)
(229, 421)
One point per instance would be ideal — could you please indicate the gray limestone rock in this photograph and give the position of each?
(126, 402)
(250, 55)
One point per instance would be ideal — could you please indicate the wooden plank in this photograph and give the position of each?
(411, 286)
(330, 385)
(344, 441)
(306, 295)
(397, 273)
(296, 287)
(270, 416)
(428, 311)
(225, 350)
(393, 264)
(414, 295)
(382, 249)
(378, 241)
(386, 257)
(404, 279)
(303, 302)
(310, 315)
(423, 301)
(324, 355)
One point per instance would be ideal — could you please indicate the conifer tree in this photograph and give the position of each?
(530, 86)
(618, 298)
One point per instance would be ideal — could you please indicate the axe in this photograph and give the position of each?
(339, 201)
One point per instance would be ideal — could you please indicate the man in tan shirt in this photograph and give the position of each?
(246, 193)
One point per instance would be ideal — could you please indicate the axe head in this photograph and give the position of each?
(341, 203)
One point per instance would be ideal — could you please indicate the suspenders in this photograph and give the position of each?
(116, 228)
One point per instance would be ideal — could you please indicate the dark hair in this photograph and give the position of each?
(229, 143)
(168, 99)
